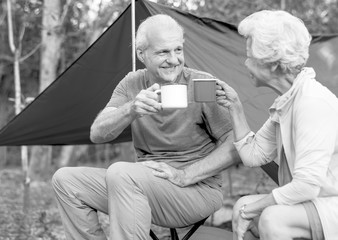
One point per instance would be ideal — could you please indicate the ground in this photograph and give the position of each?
(42, 220)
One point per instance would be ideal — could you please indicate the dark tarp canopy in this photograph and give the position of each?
(63, 113)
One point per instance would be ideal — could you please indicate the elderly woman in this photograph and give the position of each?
(301, 135)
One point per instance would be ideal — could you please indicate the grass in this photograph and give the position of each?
(42, 220)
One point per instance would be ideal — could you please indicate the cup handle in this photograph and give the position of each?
(158, 92)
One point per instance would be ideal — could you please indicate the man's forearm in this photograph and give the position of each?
(110, 123)
(221, 158)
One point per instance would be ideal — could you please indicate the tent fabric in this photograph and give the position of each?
(63, 113)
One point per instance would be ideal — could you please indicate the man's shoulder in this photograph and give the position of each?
(132, 81)
(135, 75)
(195, 73)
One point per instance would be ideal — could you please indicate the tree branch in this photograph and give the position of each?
(2, 17)
(6, 57)
(65, 11)
(10, 27)
(30, 53)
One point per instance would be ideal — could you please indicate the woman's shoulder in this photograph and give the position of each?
(316, 94)
(313, 88)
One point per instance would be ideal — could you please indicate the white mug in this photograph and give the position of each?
(173, 96)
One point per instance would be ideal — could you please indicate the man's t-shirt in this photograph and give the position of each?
(178, 137)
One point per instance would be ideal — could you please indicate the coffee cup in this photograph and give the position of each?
(173, 96)
(204, 90)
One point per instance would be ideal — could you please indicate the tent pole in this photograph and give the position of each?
(133, 34)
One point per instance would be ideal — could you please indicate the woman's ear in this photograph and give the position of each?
(274, 67)
(140, 55)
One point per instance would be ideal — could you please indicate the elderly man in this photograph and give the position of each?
(176, 180)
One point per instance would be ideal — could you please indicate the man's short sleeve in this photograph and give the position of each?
(121, 93)
(217, 121)
(215, 117)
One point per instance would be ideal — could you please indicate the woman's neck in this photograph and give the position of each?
(282, 83)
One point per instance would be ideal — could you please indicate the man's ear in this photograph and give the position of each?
(140, 55)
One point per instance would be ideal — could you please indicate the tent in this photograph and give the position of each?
(63, 113)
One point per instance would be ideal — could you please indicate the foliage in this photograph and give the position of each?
(42, 219)
(319, 16)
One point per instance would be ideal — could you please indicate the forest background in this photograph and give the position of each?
(39, 39)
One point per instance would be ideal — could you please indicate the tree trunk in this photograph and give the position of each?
(282, 4)
(70, 154)
(52, 38)
(40, 162)
(3, 157)
(16, 50)
(65, 156)
(3, 115)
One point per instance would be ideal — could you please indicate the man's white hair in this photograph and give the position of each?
(277, 38)
(159, 20)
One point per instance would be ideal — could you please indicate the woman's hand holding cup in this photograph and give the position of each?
(226, 96)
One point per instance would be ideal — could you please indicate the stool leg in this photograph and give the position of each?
(173, 234)
(193, 229)
(153, 236)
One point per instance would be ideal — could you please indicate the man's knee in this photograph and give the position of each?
(66, 178)
(60, 176)
(63, 180)
(120, 173)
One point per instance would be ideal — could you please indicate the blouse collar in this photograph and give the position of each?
(283, 102)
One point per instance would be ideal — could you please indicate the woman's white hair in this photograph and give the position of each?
(162, 20)
(277, 38)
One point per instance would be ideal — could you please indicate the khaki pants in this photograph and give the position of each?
(132, 197)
